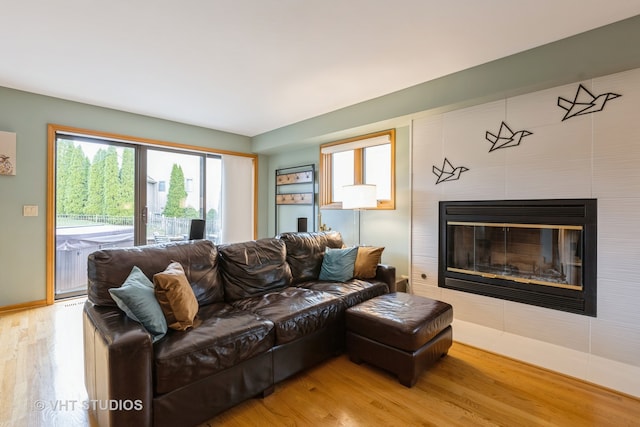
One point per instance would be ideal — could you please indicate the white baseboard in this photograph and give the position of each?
(597, 370)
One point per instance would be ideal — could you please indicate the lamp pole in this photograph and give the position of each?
(358, 197)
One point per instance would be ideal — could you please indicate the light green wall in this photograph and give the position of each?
(23, 239)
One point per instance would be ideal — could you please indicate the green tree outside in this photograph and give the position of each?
(95, 201)
(111, 183)
(63, 154)
(75, 184)
(212, 216)
(176, 195)
(191, 212)
(127, 183)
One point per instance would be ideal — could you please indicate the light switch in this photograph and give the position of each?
(30, 210)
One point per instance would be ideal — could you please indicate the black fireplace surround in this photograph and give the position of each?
(538, 252)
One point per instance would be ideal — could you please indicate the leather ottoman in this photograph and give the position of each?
(399, 332)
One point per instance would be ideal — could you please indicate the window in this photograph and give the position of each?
(368, 159)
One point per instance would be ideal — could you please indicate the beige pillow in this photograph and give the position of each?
(367, 262)
(176, 298)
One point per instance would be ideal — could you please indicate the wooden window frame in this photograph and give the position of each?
(326, 176)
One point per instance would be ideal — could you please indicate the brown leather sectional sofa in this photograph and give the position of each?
(263, 316)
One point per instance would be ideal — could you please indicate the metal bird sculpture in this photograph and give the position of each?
(584, 103)
(506, 137)
(448, 172)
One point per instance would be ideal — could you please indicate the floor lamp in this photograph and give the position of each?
(358, 197)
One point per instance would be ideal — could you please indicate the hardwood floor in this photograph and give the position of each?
(468, 387)
(41, 369)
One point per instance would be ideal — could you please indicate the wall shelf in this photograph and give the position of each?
(294, 177)
(295, 186)
(294, 199)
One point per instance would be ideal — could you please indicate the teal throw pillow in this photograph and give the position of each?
(137, 299)
(338, 264)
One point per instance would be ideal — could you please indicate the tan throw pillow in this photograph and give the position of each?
(367, 262)
(176, 298)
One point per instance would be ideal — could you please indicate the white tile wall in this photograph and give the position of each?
(425, 266)
(616, 341)
(476, 308)
(425, 229)
(618, 301)
(479, 183)
(542, 324)
(420, 288)
(622, 218)
(616, 152)
(595, 155)
(618, 258)
(540, 109)
(464, 135)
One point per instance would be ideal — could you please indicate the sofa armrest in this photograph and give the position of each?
(387, 274)
(118, 360)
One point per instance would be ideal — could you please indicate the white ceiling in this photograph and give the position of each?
(250, 66)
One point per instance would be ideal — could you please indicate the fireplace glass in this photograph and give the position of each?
(536, 254)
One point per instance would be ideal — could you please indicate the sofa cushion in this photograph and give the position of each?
(137, 299)
(296, 312)
(367, 262)
(337, 264)
(305, 252)
(226, 337)
(109, 268)
(351, 292)
(253, 268)
(175, 297)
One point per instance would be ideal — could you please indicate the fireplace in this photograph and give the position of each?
(539, 252)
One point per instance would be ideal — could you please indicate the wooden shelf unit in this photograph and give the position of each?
(295, 186)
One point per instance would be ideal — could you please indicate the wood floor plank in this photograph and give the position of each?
(42, 384)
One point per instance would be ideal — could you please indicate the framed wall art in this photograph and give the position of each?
(7, 153)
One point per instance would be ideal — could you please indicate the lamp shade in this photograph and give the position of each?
(359, 196)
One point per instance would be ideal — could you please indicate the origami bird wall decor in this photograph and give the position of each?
(584, 103)
(448, 172)
(506, 137)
